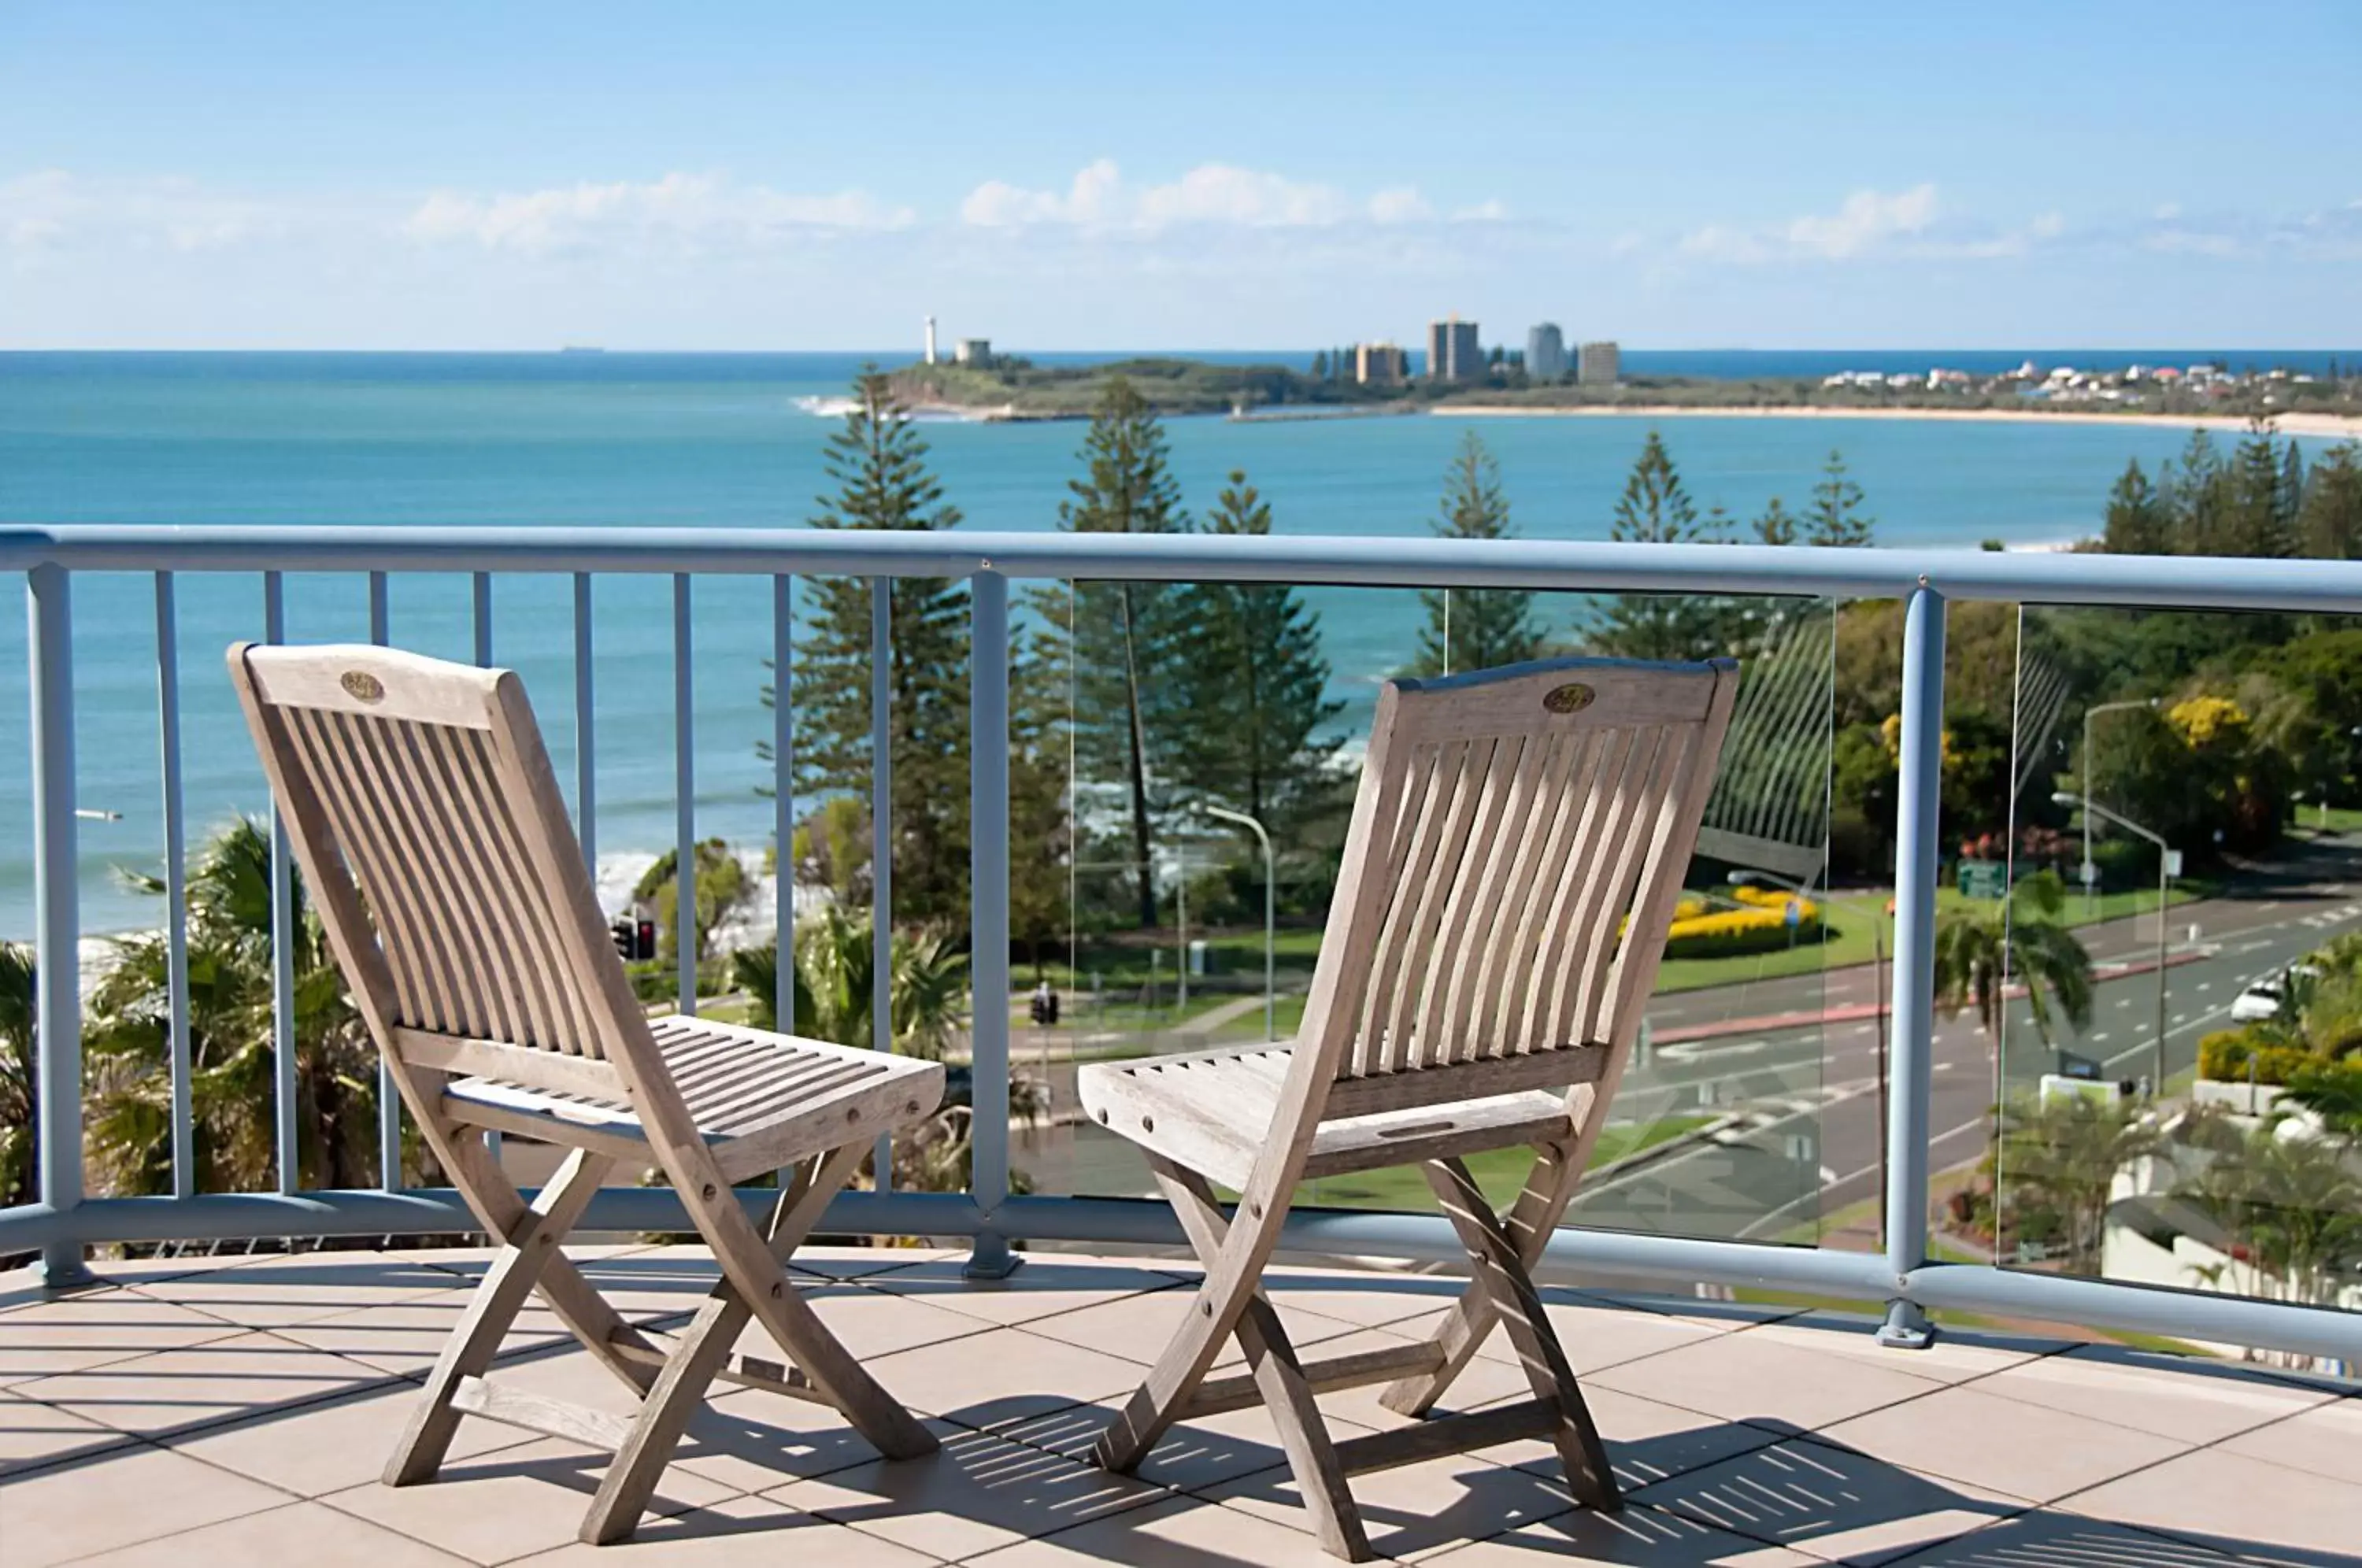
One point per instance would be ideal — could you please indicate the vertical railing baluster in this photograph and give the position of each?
(479, 605)
(881, 839)
(586, 722)
(389, 1097)
(987, 751)
(57, 910)
(284, 937)
(176, 887)
(684, 784)
(783, 797)
(1912, 1048)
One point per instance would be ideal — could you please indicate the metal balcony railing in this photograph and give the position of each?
(1902, 1278)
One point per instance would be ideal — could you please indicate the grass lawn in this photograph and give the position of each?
(1500, 1173)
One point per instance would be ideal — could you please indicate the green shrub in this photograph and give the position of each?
(2226, 1054)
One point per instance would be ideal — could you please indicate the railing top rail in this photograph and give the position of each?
(2042, 576)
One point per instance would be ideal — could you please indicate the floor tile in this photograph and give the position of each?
(1634, 1535)
(337, 1443)
(751, 1441)
(2325, 1440)
(1194, 1455)
(1647, 1441)
(1185, 1533)
(1413, 1511)
(1827, 1503)
(871, 1323)
(2179, 1397)
(855, 1263)
(979, 1493)
(74, 1332)
(1594, 1337)
(1047, 1284)
(406, 1338)
(273, 1292)
(1002, 1375)
(2050, 1539)
(76, 1510)
(1741, 1378)
(510, 1503)
(300, 1532)
(1953, 1357)
(2232, 1503)
(33, 1433)
(737, 1532)
(1372, 1298)
(177, 1389)
(2028, 1451)
(1138, 1328)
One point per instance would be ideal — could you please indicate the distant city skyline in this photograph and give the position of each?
(528, 176)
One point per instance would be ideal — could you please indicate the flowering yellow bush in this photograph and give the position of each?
(1699, 933)
(2204, 720)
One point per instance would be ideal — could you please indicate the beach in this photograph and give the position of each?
(2334, 426)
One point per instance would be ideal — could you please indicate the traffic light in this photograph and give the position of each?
(635, 939)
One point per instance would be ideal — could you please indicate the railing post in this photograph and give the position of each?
(1911, 1040)
(684, 795)
(284, 935)
(988, 750)
(176, 886)
(881, 844)
(57, 910)
(389, 1096)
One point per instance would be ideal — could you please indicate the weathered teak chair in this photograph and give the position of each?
(437, 848)
(1516, 847)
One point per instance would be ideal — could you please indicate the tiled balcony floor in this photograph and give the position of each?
(201, 1412)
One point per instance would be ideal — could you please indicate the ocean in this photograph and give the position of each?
(636, 440)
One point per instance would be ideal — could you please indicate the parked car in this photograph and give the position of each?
(2259, 1001)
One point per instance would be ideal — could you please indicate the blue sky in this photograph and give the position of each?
(1071, 176)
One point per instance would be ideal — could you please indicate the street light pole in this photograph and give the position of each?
(2089, 872)
(2164, 855)
(1269, 920)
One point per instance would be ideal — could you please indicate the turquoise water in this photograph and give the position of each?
(639, 440)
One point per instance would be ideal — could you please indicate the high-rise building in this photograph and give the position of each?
(1545, 352)
(1598, 365)
(1452, 354)
(1380, 365)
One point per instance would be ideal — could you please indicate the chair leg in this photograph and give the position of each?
(1501, 1276)
(528, 1248)
(1279, 1377)
(639, 1464)
(1221, 1300)
(1540, 1205)
(749, 1266)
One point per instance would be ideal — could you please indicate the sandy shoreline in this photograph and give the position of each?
(2335, 425)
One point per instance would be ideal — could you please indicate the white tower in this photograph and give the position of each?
(930, 341)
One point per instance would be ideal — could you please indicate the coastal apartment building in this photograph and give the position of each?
(1545, 352)
(1453, 353)
(1380, 365)
(1598, 365)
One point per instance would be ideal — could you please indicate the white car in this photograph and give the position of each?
(2260, 1000)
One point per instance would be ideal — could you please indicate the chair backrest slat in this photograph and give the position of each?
(1512, 880)
(423, 790)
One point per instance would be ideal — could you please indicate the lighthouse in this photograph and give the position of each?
(930, 341)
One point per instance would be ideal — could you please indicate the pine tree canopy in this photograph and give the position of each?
(1835, 517)
(1253, 689)
(1656, 509)
(878, 462)
(1475, 628)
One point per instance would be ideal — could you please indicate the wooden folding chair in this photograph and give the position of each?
(436, 849)
(1516, 848)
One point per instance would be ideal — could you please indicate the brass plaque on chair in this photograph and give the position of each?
(368, 687)
(1571, 698)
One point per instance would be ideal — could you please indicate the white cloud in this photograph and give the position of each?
(690, 208)
(50, 210)
(1910, 221)
(1487, 211)
(1211, 193)
(1867, 218)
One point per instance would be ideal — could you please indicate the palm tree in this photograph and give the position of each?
(18, 1094)
(2068, 1152)
(2025, 938)
(128, 1041)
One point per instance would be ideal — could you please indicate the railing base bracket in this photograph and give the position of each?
(1906, 1327)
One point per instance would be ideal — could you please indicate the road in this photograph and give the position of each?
(1811, 1132)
